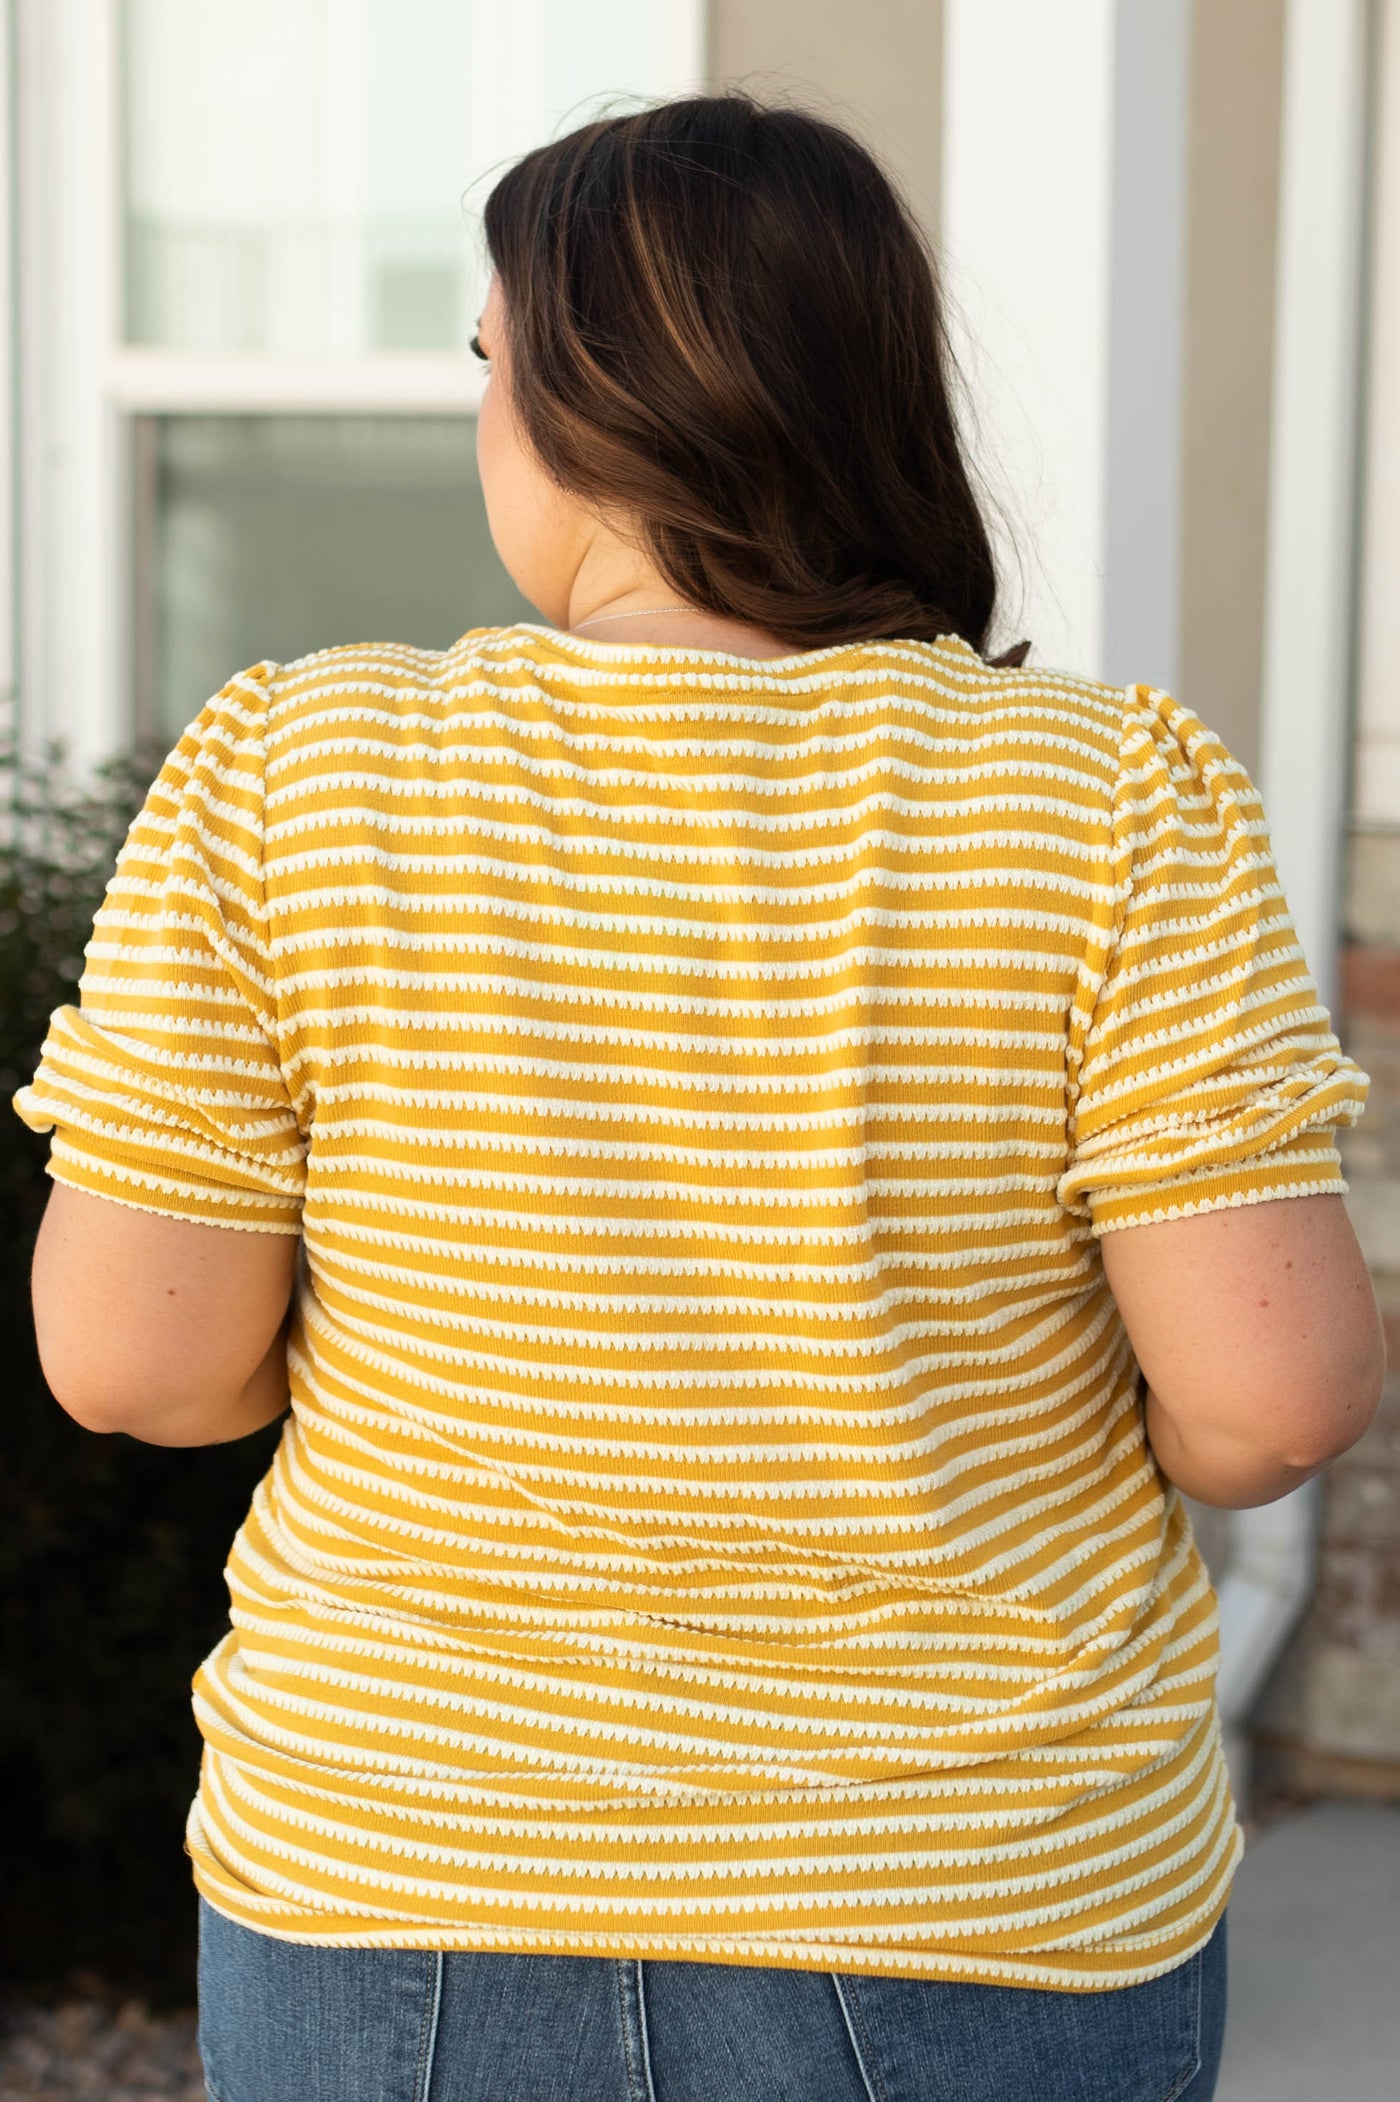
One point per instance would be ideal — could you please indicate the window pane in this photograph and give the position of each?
(295, 169)
(269, 536)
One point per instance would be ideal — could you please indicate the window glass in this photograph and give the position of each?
(269, 536)
(295, 170)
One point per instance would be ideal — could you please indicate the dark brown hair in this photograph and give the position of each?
(723, 321)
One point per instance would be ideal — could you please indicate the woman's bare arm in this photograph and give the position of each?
(167, 1330)
(1258, 1332)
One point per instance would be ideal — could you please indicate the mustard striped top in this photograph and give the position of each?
(714, 1520)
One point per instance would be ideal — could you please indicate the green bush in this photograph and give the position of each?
(111, 1552)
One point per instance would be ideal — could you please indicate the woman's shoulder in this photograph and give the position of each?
(1069, 716)
(360, 684)
(1074, 691)
(399, 686)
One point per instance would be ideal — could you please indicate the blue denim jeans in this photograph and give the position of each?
(283, 2021)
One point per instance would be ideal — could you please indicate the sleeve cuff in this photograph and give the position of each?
(1306, 1165)
(105, 1169)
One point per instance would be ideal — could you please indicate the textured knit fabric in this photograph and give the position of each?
(715, 1518)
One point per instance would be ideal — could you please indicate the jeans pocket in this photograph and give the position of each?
(1136, 2043)
(287, 2021)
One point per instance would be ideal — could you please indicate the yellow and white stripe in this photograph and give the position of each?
(715, 1519)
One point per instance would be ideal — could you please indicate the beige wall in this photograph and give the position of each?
(876, 68)
(1232, 226)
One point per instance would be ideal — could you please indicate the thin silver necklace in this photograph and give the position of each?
(637, 613)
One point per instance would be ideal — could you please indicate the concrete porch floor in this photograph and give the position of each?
(1314, 1956)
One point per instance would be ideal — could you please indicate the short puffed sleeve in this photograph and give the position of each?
(163, 1086)
(1205, 1072)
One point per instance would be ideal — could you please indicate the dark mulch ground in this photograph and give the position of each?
(93, 2046)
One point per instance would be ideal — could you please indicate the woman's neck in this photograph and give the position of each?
(653, 612)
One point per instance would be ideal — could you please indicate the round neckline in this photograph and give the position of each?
(683, 652)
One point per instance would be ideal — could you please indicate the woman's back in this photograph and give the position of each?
(715, 1517)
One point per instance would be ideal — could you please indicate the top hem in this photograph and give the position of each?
(1079, 1971)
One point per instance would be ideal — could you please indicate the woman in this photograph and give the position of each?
(776, 1112)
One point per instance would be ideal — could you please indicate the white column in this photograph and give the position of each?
(1146, 342)
(72, 513)
(1064, 178)
(1377, 795)
(1025, 243)
(1305, 720)
(9, 637)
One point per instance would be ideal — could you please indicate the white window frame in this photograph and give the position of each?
(82, 386)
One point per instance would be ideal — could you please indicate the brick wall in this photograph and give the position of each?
(1329, 1718)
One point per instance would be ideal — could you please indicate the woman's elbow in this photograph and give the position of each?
(1332, 1422)
(89, 1413)
(107, 1380)
(85, 1388)
(1332, 1387)
(1247, 1434)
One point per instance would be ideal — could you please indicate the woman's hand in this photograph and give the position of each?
(170, 1331)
